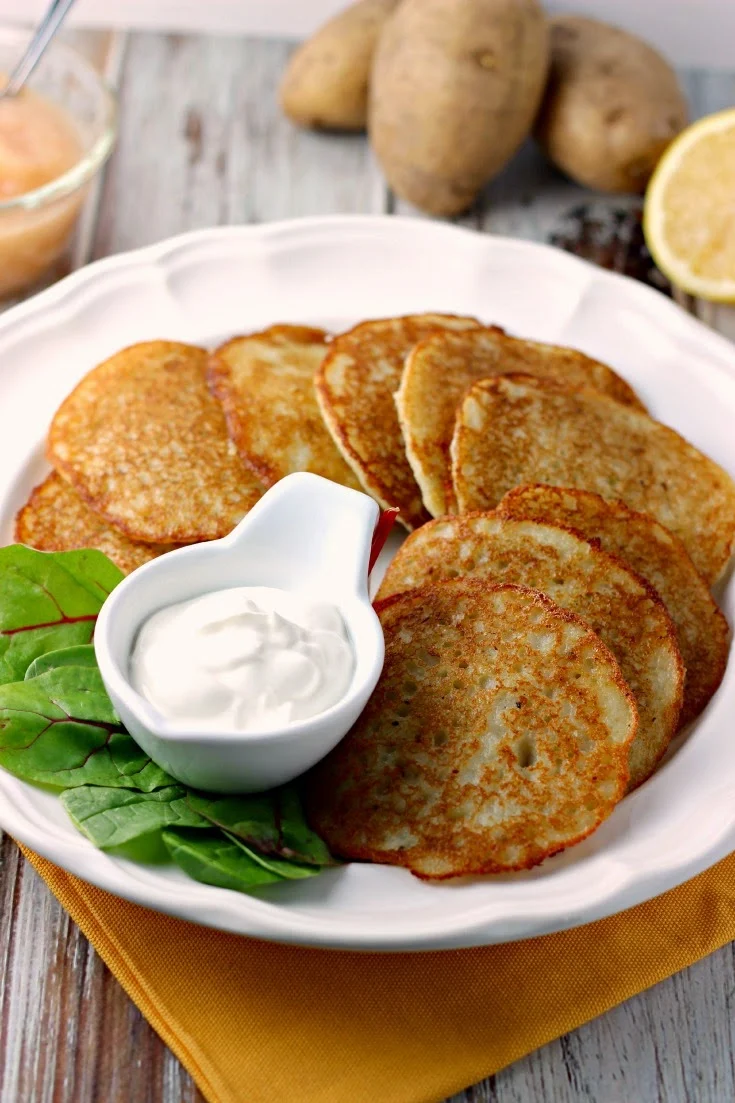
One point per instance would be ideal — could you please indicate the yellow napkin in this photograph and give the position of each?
(259, 1022)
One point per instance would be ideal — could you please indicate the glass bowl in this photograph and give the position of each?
(36, 226)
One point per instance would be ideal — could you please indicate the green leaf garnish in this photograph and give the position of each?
(111, 817)
(48, 600)
(289, 871)
(61, 729)
(272, 823)
(82, 654)
(210, 857)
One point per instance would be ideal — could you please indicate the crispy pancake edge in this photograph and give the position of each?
(130, 555)
(365, 470)
(393, 603)
(68, 471)
(717, 562)
(512, 505)
(218, 375)
(463, 522)
(430, 459)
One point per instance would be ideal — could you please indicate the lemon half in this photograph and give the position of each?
(689, 210)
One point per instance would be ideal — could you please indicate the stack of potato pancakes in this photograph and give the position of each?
(548, 632)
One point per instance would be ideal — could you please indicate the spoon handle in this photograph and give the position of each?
(45, 31)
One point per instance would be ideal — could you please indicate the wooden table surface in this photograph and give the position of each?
(202, 143)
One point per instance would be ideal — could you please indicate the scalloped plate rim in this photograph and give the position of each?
(614, 886)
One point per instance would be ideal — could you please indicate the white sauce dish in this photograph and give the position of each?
(307, 536)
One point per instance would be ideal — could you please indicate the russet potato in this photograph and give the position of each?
(455, 88)
(325, 85)
(611, 108)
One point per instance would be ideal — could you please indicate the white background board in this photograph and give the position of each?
(692, 33)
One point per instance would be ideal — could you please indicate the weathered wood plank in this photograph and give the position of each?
(671, 1044)
(68, 1032)
(202, 143)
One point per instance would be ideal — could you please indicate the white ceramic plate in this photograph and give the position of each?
(206, 286)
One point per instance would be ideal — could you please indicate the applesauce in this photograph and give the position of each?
(39, 142)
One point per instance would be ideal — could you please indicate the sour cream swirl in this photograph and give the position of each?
(252, 658)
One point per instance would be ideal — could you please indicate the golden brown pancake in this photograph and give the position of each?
(144, 443)
(625, 612)
(437, 373)
(497, 736)
(265, 382)
(515, 430)
(56, 519)
(355, 386)
(659, 557)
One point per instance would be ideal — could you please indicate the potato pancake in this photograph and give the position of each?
(515, 430)
(145, 444)
(497, 736)
(438, 371)
(625, 612)
(355, 386)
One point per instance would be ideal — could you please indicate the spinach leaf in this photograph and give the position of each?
(90, 568)
(81, 655)
(289, 871)
(210, 857)
(272, 823)
(61, 729)
(111, 817)
(300, 842)
(48, 600)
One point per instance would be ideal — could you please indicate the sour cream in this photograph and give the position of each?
(253, 658)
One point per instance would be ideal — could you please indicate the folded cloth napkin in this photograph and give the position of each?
(256, 1021)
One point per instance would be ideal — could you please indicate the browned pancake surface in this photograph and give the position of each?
(265, 382)
(620, 606)
(355, 387)
(497, 736)
(56, 519)
(515, 430)
(144, 443)
(438, 371)
(659, 557)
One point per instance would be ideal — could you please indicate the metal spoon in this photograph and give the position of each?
(45, 31)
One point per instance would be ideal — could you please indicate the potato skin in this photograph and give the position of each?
(611, 108)
(455, 88)
(325, 85)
